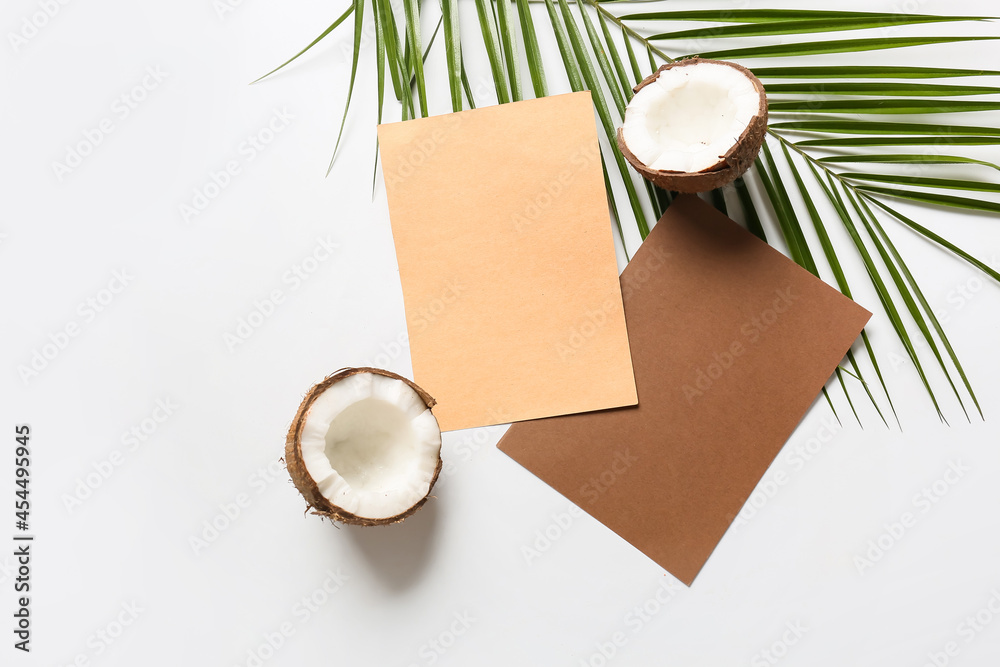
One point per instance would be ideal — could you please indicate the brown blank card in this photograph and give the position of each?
(731, 342)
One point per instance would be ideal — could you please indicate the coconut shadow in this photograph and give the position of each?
(398, 554)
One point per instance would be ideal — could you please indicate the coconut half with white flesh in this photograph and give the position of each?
(695, 125)
(364, 447)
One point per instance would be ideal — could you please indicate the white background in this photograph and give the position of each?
(189, 283)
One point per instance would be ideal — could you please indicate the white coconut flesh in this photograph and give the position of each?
(371, 445)
(690, 117)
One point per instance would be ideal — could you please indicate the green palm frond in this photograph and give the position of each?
(833, 139)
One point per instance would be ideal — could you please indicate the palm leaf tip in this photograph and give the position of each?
(836, 46)
(331, 28)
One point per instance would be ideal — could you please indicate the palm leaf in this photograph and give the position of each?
(931, 316)
(330, 28)
(845, 218)
(834, 46)
(907, 159)
(637, 76)
(536, 66)
(850, 117)
(909, 291)
(565, 48)
(616, 58)
(871, 127)
(603, 112)
(934, 198)
(794, 27)
(466, 86)
(848, 142)
(413, 39)
(923, 231)
(883, 293)
(453, 51)
(614, 84)
(493, 52)
(838, 271)
(797, 246)
(920, 181)
(750, 215)
(390, 41)
(775, 15)
(867, 72)
(359, 16)
(890, 106)
(380, 69)
(880, 89)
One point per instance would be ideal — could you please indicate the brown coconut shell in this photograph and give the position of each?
(733, 164)
(316, 502)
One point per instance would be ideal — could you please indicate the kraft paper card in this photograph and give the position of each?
(731, 343)
(507, 261)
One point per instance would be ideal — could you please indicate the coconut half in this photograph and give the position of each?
(695, 125)
(364, 447)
